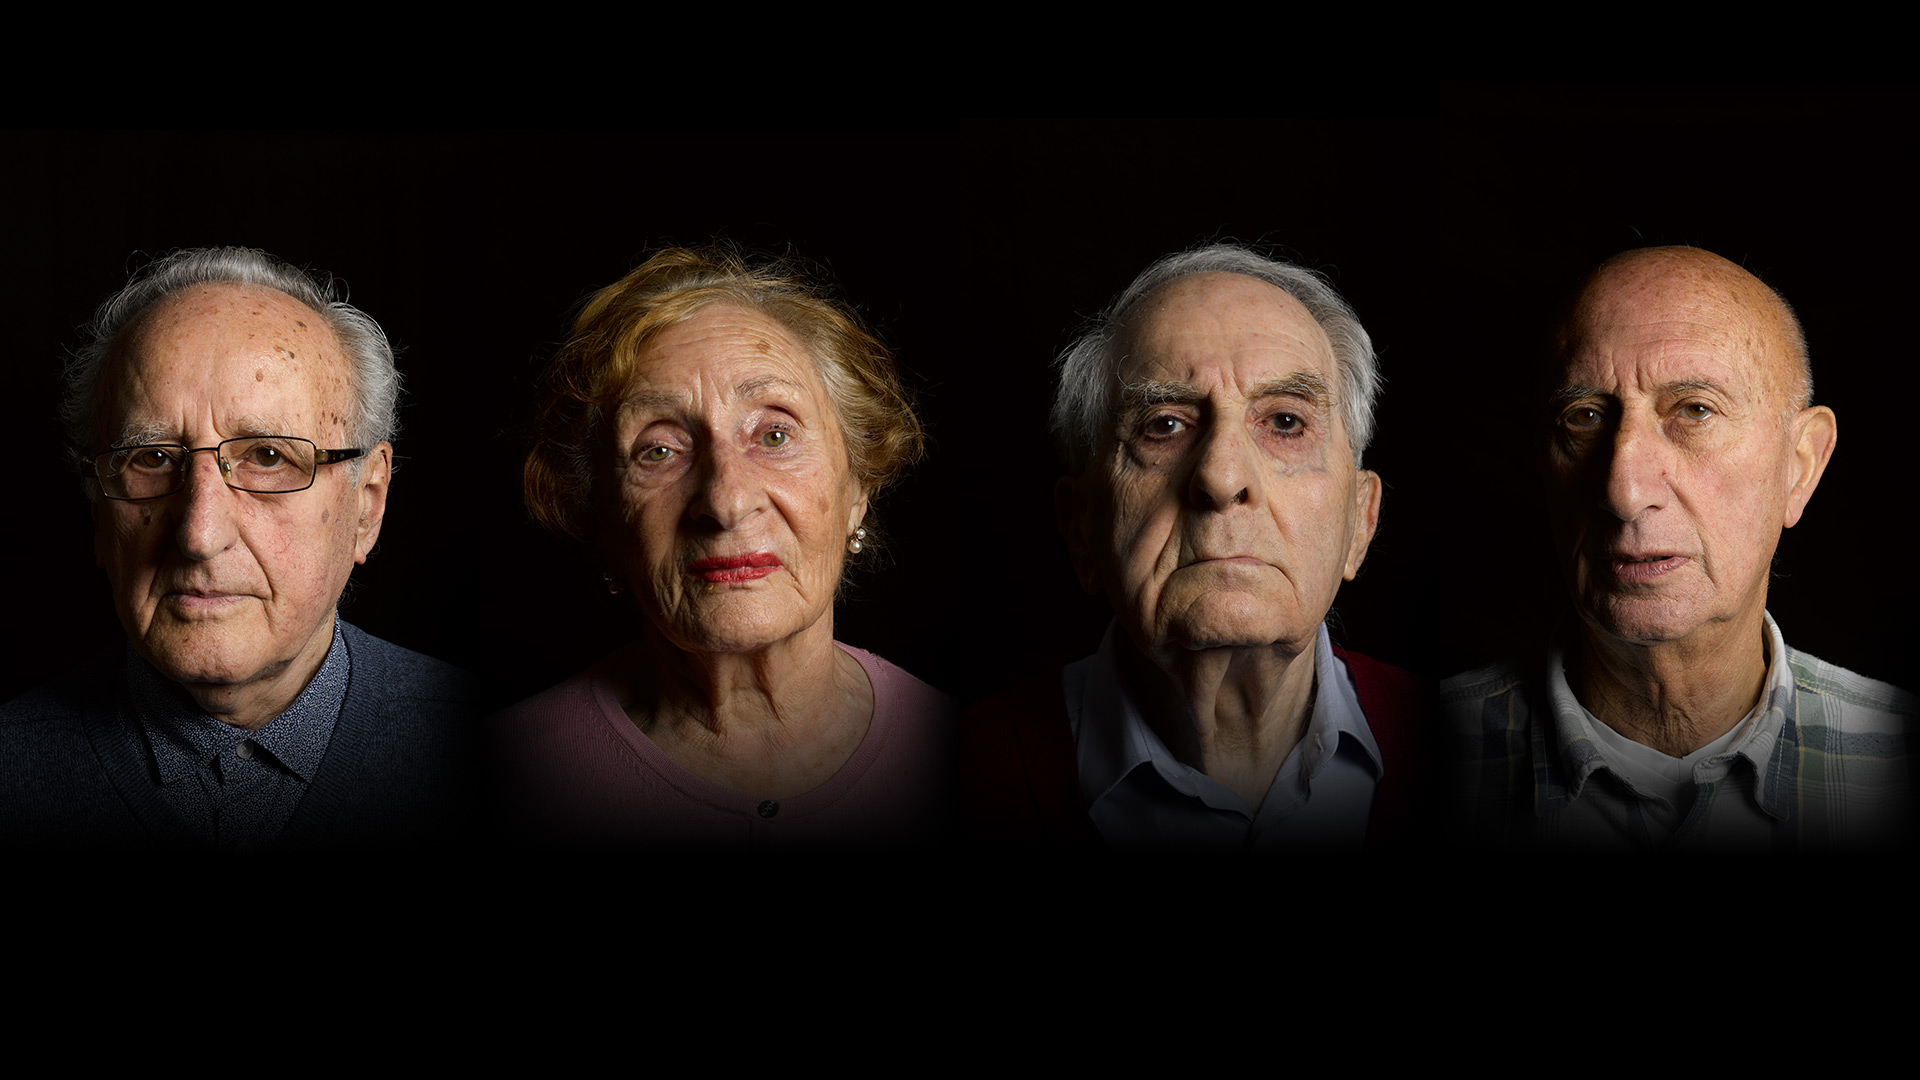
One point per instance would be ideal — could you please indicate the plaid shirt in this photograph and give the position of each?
(1821, 765)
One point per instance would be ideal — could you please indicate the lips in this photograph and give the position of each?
(729, 568)
(202, 599)
(1643, 566)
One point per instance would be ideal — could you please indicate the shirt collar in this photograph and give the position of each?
(1113, 737)
(1770, 724)
(181, 738)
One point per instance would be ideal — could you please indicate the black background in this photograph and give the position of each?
(1453, 220)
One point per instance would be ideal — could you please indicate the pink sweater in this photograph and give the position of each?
(584, 774)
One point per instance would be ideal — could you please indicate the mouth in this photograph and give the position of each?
(202, 599)
(1632, 567)
(1228, 560)
(730, 568)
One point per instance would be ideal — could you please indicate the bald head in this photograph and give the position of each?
(1667, 285)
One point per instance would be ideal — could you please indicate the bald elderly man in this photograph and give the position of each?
(230, 421)
(1213, 419)
(1672, 714)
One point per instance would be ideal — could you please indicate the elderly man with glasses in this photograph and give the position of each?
(230, 420)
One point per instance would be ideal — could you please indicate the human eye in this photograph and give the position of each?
(1288, 424)
(1163, 426)
(264, 456)
(655, 454)
(1582, 418)
(151, 458)
(776, 437)
(1695, 410)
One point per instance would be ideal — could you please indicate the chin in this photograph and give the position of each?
(733, 635)
(1643, 622)
(202, 666)
(1238, 627)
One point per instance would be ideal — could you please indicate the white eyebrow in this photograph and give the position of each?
(238, 427)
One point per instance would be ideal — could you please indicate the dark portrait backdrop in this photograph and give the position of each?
(975, 247)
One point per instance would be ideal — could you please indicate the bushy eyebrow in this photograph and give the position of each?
(238, 427)
(1145, 395)
(1301, 384)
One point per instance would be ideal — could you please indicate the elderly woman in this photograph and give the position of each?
(715, 430)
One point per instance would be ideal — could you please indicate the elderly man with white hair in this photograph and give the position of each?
(1213, 419)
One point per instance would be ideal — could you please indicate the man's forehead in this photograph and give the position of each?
(1191, 327)
(262, 353)
(1674, 307)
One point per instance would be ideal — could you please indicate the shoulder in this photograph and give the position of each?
(48, 722)
(896, 693)
(1494, 680)
(388, 670)
(1494, 695)
(564, 713)
(1857, 693)
(1388, 694)
(85, 689)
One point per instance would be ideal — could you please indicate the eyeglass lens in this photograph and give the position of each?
(272, 463)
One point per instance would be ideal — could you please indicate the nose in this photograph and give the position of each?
(209, 522)
(729, 492)
(1637, 470)
(1226, 473)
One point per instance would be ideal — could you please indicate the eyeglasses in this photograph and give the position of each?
(262, 464)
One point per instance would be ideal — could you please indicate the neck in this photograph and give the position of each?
(1673, 696)
(774, 722)
(1234, 714)
(253, 704)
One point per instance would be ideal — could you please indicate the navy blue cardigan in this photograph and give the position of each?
(74, 770)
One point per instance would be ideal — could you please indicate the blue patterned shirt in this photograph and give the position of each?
(235, 788)
(1821, 764)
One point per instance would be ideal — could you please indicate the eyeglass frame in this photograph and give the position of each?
(320, 457)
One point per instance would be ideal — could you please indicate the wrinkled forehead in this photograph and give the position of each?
(727, 351)
(1196, 326)
(233, 350)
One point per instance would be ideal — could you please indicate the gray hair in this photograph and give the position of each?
(375, 380)
(1089, 367)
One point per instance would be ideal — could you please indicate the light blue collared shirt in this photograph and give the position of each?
(1143, 798)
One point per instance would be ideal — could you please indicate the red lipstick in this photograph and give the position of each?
(728, 568)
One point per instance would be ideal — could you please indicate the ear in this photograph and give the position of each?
(1813, 433)
(375, 475)
(1072, 514)
(857, 513)
(1366, 518)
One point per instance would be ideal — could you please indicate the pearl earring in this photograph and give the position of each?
(857, 541)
